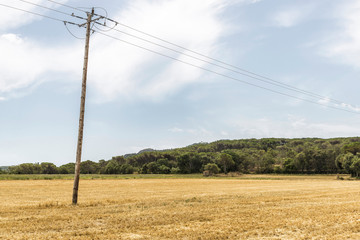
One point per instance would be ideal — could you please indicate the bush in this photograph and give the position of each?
(48, 168)
(355, 166)
(212, 168)
(164, 169)
(112, 167)
(126, 169)
(68, 168)
(175, 170)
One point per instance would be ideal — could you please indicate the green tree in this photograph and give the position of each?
(112, 167)
(289, 166)
(26, 168)
(144, 169)
(175, 170)
(68, 168)
(355, 166)
(205, 158)
(153, 167)
(344, 162)
(300, 162)
(89, 167)
(48, 168)
(320, 161)
(268, 161)
(353, 148)
(163, 161)
(102, 164)
(189, 163)
(126, 169)
(163, 169)
(238, 160)
(225, 161)
(119, 159)
(212, 168)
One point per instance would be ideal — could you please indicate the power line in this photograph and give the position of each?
(52, 18)
(79, 8)
(288, 87)
(224, 75)
(80, 38)
(40, 15)
(68, 6)
(52, 9)
(229, 67)
(257, 76)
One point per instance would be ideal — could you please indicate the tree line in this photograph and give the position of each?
(267, 155)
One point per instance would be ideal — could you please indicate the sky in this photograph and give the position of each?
(137, 99)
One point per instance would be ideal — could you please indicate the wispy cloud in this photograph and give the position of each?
(116, 69)
(324, 101)
(11, 18)
(135, 73)
(293, 15)
(287, 18)
(24, 63)
(200, 131)
(176, 130)
(350, 107)
(343, 44)
(292, 127)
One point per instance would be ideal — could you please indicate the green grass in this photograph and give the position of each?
(166, 176)
(95, 176)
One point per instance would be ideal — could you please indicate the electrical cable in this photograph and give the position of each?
(68, 6)
(289, 87)
(104, 24)
(226, 76)
(247, 73)
(52, 18)
(72, 33)
(51, 9)
(217, 65)
(38, 14)
(257, 76)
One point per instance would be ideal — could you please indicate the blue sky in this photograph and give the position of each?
(137, 99)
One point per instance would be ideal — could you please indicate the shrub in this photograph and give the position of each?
(175, 170)
(212, 168)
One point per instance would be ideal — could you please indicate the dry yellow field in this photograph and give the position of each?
(292, 208)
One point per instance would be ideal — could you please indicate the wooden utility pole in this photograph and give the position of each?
(82, 110)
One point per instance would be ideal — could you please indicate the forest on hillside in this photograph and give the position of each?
(267, 155)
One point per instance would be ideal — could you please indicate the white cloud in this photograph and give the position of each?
(324, 101)
(200, 131)
(292, 16)
(11, 18)
(287, 18)
(344, 106)
(118, 69)
(343, 45)
(350, 107)
(292, 127)
(115, 68)
(176, 130)
(24, 63)
(224, 133)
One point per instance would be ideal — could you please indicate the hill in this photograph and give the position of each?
(267, 155)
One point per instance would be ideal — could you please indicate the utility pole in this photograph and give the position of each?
(82, 110)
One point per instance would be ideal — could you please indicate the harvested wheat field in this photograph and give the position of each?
(289, 208)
